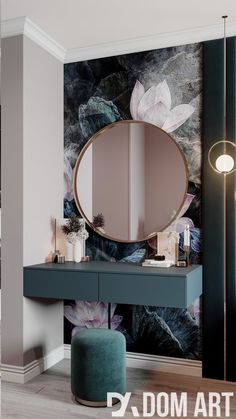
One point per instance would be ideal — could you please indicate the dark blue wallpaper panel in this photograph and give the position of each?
(98, 92)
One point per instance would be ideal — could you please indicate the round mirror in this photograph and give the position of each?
(130, 181)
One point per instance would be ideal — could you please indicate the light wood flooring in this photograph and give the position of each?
(48, 396)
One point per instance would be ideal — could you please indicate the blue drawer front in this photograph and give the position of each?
(60, 284)
(159, 291)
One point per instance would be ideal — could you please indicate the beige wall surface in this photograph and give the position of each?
(32, 139)
(43, 186)
(12, 202)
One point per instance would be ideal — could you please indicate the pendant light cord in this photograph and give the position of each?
(224, 199)
(225, 83)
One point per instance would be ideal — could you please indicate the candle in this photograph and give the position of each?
(186, 236)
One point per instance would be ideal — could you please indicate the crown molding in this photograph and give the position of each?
(162, 40)
(23, 25)
(12, 27)
(40, 37)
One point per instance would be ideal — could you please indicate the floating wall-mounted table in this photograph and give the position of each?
(114, 282)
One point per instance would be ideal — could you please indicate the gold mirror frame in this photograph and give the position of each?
(81, 154)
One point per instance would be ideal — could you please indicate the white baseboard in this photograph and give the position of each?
(158, 363)
(21, 375)
(67, 351)
(165, 364)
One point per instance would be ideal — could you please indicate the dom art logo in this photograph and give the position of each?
(174, 405)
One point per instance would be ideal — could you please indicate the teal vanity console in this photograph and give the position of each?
(114, 282)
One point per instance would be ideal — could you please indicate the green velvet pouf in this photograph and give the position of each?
(97, 365)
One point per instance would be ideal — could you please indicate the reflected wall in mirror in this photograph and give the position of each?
(135, 175)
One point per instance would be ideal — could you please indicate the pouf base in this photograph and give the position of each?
(89, 403)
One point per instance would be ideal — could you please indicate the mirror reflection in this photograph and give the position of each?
(130, 181)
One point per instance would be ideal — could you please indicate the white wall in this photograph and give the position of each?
(32, 139)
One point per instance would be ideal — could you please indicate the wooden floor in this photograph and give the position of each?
(48, 395)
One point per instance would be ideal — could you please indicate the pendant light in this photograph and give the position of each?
(222, 154)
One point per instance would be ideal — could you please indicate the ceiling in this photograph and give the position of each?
(78, 24)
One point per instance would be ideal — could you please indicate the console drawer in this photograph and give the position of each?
(66, 285)
(153, 290)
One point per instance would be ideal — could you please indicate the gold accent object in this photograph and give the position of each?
(94, 404)
(85, 259)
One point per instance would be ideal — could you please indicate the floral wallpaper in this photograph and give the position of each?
(162, 87)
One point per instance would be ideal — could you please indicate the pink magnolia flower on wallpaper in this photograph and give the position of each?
(196, 311)
(86, 315)
(154, 106)
(179, 224)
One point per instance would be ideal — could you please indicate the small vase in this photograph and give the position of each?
(69, 252)
(77, 251)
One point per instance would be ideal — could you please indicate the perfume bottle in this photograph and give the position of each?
(187, 243)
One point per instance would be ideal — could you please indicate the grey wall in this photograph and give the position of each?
(12, 200)
(43, 186)
(32, 158)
